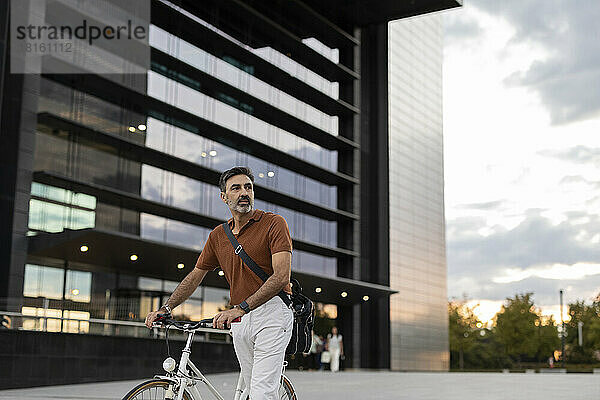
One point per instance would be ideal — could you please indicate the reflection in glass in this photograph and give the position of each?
(163, 186)
(63, 195)
(41, 281)
(215, 300)
(206, 107)
(89, 111)
(332, 54)
(313, 263)
(190, 310)
(237, 74)
(303, 226)
(77, 323)
(78, 286)
(174, 232)
(51, 217)
(197, 149)
(145, 283)
(51, 321)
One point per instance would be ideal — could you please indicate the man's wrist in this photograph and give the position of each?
(244, 307)
(237, 307)
(167, 308)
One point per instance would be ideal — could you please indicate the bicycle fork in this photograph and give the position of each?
(241, 392)
(185, 380)
(182, 371)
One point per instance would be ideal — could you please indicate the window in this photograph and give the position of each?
(43, 281)
(79, 286)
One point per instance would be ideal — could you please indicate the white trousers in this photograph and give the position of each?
(260, 340)
(335, 359)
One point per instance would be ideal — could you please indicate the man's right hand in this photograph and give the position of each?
(151, 317)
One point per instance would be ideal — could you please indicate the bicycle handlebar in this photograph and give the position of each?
(165, 320)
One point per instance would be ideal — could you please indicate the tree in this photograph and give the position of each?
(520, 333)
(590, 316)
(548, 340)
(487, 352)
(516, 327)
(591, 336)
(462, 326)
(472, 345)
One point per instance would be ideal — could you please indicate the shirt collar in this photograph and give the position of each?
(256, 216)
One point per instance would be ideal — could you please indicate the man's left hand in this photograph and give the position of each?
(223, 319)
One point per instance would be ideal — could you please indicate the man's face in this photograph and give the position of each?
(239, 194)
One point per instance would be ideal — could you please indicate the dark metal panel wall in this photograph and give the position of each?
(349, 197)
(374, 198)
(8, 153)
(17, 140)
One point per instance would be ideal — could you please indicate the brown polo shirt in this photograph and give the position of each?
(263, 235)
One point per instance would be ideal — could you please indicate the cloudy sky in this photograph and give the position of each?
(522, 150)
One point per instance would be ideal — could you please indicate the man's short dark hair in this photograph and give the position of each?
(233, 172)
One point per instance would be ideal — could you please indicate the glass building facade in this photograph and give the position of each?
(110, 184)
(419, 322)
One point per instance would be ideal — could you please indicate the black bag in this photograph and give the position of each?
(304, 320)
(302, 306)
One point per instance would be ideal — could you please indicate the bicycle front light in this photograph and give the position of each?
(169, 364)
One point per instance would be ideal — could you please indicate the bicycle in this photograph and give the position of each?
(181, 379)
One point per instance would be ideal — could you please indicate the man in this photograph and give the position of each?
(263, 333)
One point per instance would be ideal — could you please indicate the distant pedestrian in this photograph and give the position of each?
(551, 361)
(316, 348)
(335, 348)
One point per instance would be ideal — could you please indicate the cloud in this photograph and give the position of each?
(535, 256)
(458, 28)
(576, 179)
(485, 206)
(557, 271)
(578, 154)
(534, 241)
(546, 291)
(567, 80)
(572, 179)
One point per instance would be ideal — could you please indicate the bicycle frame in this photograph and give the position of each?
(188, 382)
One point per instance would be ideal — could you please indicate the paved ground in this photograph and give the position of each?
(363, 385)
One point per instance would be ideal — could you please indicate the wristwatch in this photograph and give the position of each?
(167, 308)
(244, 306)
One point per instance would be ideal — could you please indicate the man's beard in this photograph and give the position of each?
(241, 208)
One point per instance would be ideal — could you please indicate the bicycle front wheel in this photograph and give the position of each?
(154, 389)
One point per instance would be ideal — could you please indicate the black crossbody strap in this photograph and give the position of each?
(239, 250)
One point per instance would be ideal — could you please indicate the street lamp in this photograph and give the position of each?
(562, 332)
